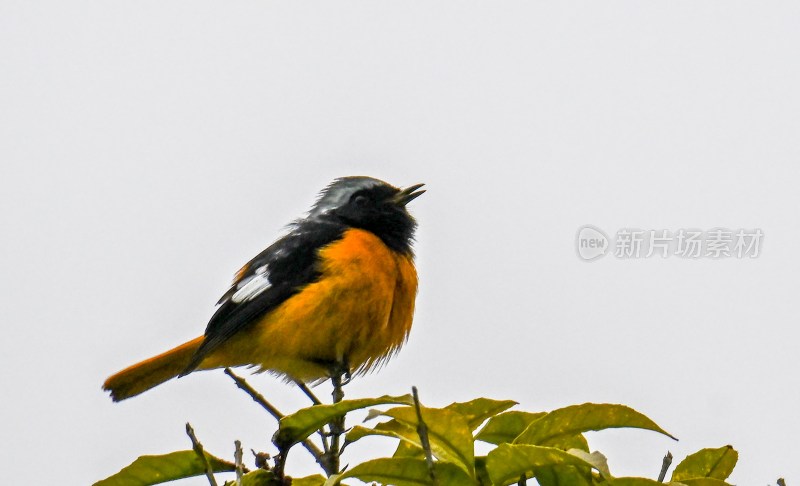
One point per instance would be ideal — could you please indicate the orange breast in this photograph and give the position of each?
(360, 309)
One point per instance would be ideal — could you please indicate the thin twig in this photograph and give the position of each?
(198, 449)
(522, 481)
(237, 457)
(305, 389)
(259, 398)
(422, 431)
(316, 401)
(664, 466)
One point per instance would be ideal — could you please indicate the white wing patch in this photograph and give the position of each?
(251, 287)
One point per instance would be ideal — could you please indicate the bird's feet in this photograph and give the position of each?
(340, 376)
(341, 369)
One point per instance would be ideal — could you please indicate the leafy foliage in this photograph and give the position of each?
(147, 470)
(707, 463)
(301, 424)
(547, 446)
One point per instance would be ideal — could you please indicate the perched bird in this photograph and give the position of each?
(335, 294)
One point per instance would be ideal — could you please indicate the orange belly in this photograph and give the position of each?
(359, 311)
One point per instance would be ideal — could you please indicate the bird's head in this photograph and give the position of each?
(373, 205)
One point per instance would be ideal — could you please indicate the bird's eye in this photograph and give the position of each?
(361, 200)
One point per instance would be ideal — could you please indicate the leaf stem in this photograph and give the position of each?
(422, 431)
(237, 457)
(198, 449)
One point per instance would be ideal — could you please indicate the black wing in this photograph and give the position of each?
(265, 282)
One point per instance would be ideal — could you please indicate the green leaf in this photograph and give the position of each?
(563, 475)
(704, 482)
(405, 472)
(567, 442)
(596, 459)
(315, 480)
(407, 449)
(409, 445)
(259, 477)
(358, 432)
(299, 425)
(577, 419)
(474, 411)
(478, 410)
(505, 427)
(147, 470)
(508, 462)
(481, 472)
(262, 477)
(630, 481)
(707, 463)
(449, 433)
(571, 475)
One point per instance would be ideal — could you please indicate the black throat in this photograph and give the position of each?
(396, 229)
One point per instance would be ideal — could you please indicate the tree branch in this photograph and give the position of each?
(259, 398)
(331, 457)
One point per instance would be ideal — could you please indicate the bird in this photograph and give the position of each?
(335, 293)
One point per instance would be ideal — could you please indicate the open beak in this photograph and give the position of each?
(408, 194)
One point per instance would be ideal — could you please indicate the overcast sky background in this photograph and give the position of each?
(150, 148)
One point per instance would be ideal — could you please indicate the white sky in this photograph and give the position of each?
(150, 148)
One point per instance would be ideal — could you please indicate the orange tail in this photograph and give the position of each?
(143, 376)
